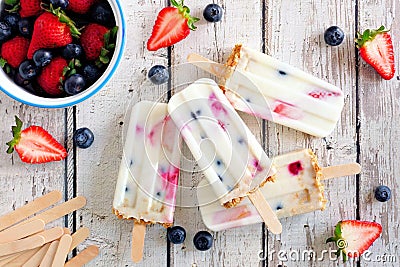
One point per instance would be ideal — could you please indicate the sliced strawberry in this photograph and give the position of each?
(354, 237)
(376, 48)
(173, 24)
(35, 145)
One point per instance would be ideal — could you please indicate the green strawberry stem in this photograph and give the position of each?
(110, 38)
(14, 4)
(368, 35)
(62, 17)
(16, 130)
(185, 11)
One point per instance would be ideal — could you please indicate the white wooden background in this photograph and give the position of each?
(291, 31)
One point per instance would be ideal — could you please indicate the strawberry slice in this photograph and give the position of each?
(35, 145)
(173, 24)
(376, 48)
(354, 237)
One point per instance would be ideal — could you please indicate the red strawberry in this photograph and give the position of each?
(50, 32)
(29, 8)
(35, 145)
(353, 237)
(80, 6)
(376, 49)
(287, 110)
(52, 75)
(173, 24)
(14, 51)
(92, 40)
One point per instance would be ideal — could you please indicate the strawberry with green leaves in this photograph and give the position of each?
(14, 51)
(354, 237)
(26, 8)
(52, 76)
(173, 24)
(35, 145)
(376, 48)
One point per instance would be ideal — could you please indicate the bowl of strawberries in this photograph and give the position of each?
(58, 53)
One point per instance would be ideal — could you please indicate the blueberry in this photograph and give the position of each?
(74, 84)
(21, 81)
(72, 51)
(203, 240)
(91, 73)
(5, 31)
(158, 74)
(25, 27)
(12, 19)
(382, 193)
(63, 4)
(28, 70)
(334, 36)
(176, 235)
(83, 138)
(213, 13)
(102, 13)
(42, 57)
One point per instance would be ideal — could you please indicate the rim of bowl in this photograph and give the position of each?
(42, 102)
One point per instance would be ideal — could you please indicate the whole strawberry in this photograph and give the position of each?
(80, 6)
(52, 29)
(376, 48)
(50, 80)
(35, 145)
(14, 51)
(26, 8)
(173, 24)
(92, 40)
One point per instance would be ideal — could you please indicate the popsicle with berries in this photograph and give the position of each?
(258, 84)
(297, 189)
(148, 174)
(228, 154)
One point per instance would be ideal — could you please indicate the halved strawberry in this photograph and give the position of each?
(376, 48)
(35, 145)
(173, 24)
(354, 237)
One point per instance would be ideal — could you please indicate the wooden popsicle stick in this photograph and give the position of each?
(62, 251)
(29, 209)
(24, 257)
(210, 66)
(138, 234)
(21, 231)
(266, 212)
(21, 245)
(67, 231)
(84, 257)
(51, 234)
(78, 237)
(37, 258)
(340, 170)
(6, 259)
(48, 258)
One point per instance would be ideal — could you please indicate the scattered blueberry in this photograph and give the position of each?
(25, 27)
(176, 235)
(83, 138)
(63, 4)
(5, 31)
(72, 51)
(91, 73)
(74, 84)
(382, 193)
(102, 13)
(28, 70)
(203, 240)
(213, 13)
(158, 74)
(42, 57)
(334, 36)
(12, 20)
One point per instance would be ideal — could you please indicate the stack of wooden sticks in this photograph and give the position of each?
(24, 241)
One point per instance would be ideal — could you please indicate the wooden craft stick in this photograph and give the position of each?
(48, 258)
(29, 209)
(21, 245)
(340, 170)
(138, 234)
(84, 257)
(67, 231)
(6, 259)
(24, 257)
(78, 237)
(37, 258)
(51, 234)
(210, 66)
(266, 212)
(62, 251)
(21, 231)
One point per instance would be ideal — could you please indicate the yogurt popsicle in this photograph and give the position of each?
(228, 154)
(258, 84)
(148, 174)
(296, 190)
